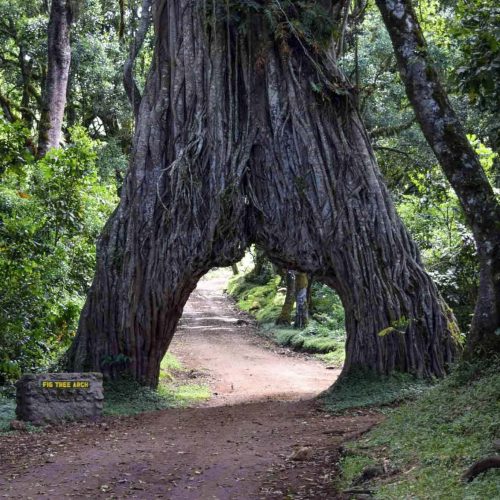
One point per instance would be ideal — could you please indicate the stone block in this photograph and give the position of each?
(55, 397)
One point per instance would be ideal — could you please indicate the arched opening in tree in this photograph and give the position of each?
(248, 133)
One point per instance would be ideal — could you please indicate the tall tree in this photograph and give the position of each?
(56, 83)
(248, 133)
(285, 317)
(448, 140)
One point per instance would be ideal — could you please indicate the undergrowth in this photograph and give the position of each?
(423, 447)
(263, 298)
(364, 388)
(7, 412)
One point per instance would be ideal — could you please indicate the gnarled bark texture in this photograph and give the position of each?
(242, 138)
(461, 165)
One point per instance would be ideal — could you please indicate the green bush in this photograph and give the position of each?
(51, 213)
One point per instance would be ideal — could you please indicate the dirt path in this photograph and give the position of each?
(221, 344)
(244, 445)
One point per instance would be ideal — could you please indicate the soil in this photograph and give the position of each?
(261, 435)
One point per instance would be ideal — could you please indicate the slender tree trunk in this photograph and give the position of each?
(243, 138)
(131, 88)
(260, 262)
(56, 83)
(445, 135)
(301, 309)
(234, 268)
(285, 317)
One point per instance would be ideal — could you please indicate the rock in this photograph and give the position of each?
(369, 473)
(240, 322)
(17, 425)
(301, 454)
(55, 397)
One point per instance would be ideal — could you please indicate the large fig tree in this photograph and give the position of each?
(248, 133)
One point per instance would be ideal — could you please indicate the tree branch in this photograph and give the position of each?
(131, 88)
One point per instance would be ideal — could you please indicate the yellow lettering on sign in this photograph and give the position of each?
(65, 384)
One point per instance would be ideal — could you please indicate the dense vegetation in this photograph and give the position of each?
(53, 208)
(54, 205)
(423, 448)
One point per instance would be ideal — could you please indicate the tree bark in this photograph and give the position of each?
(56, 83)
(301, 309)
(243, 138)
(448, 140)
(285, 317)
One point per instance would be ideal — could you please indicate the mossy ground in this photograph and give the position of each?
(263, 297)
(425, 445)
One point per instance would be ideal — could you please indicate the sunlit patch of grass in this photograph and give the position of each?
(428, 443)
(325, 334)
(334, 358)
(127, 397)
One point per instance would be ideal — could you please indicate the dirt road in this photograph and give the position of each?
(222, 345)
(257, 438)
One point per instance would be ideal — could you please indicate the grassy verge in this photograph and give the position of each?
(127, 397)
(263, 298)
(423, 447)
(364, 389)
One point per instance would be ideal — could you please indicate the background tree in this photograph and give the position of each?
(460, 164)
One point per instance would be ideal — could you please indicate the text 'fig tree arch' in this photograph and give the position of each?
(247, 137)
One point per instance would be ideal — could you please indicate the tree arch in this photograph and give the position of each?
(244, 136)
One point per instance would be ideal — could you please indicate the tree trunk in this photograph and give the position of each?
(56, 83)
(260, 262)
(301, 309)
(285, 317)
(445, 135)
(245, 138)
(234, 268)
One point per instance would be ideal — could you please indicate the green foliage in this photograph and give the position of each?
(431, 441)
(305, 20)
(363, 388)
(51, 212)
(7, 412)
(263, 301)
(478, 29)
(325, 334)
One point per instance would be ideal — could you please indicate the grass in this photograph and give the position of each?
(263, 298)
(127, 397)
(428, 443)
(7, 412)
(363, 389)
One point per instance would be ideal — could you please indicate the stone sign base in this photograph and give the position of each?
(55, 397)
